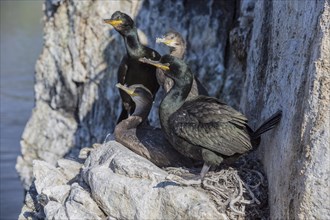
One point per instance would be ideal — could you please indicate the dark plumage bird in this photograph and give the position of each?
(204, 127)
(177, 46)
(143, 139)
(131, 71)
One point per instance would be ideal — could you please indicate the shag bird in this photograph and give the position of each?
(131, 71)
(204, 127)
(143, 139)
(177, 46)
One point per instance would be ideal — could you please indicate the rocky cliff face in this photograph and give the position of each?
(288, 68)
(261, 56)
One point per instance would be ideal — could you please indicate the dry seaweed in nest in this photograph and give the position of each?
(239, 190)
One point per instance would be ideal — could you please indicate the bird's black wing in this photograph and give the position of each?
(122, 70)
(211, 124)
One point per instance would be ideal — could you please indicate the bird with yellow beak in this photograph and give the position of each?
(130, 70)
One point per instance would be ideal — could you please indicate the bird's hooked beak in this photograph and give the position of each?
(155, 63)
(164, 41)
(113, 22)
(126, 89)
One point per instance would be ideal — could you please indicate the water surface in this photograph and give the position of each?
(20, 43)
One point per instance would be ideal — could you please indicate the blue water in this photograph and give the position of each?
(20, 43)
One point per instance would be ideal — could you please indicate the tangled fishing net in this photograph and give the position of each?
(238, 190)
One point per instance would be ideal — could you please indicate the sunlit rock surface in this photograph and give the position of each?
(288, 66)
(113, 182)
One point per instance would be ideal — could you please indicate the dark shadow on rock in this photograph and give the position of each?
(39, 212)
(100, 120)
(165, 184)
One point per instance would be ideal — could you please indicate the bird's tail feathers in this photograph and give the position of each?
(270, 123)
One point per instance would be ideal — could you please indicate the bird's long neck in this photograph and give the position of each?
(132, 43)
(140, 114)
(124, 126)
(142, 109)
(174, 100)
(178, 51)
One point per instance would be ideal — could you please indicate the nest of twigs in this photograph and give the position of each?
(239, 190)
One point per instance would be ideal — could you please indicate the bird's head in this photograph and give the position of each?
(121, 22)
(172, 39)
(173, 67)
(139, 93)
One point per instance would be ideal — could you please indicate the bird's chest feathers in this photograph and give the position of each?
(171, 103)
(139, 72)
